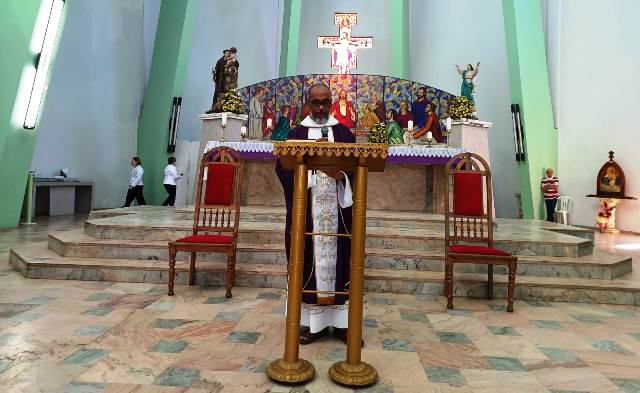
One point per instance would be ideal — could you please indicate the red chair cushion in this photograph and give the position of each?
(478, 250)
(208, 239)
(219, 189)
(467, 194)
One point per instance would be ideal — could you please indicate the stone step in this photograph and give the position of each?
(37, 261)
(540, 242)
(600, 265)
(375, 218)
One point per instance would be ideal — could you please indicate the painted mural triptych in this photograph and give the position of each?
(359, 101)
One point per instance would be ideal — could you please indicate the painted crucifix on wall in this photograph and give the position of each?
(344, 47)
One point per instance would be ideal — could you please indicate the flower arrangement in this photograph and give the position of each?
(604, 215)
(379, 134)
(462, 108)
(231, 102)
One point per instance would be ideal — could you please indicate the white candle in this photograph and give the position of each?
(429, 136)
(224, 119)
(410, 125)
(243, 131)
(269, 122)
(448, 124)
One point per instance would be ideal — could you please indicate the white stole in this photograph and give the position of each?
(345, 194)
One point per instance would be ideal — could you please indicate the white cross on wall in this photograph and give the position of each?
(344, 47)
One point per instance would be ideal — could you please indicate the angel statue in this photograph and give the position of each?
(468, 81)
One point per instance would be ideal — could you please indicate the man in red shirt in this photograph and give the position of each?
(549, 187)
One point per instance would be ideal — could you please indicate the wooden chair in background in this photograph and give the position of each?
(217, 214)
(469, 223)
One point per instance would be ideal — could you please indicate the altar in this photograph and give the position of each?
(413, 179)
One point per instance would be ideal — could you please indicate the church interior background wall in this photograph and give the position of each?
(362, 91)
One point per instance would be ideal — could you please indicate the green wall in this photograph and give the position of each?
(529, 84)
(400, 38)
(166, 80)
(17, 20)
(290, 37)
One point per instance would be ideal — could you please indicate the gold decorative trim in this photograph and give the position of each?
(296, 372)
(359, 375)
(365, 150)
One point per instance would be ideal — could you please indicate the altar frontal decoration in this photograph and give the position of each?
(359, 101)
(419, 154)
(610, 188)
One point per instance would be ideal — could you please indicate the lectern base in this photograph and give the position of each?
(285, 372)
(362, 374)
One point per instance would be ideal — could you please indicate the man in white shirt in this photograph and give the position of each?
(135, 183)
(170, 178)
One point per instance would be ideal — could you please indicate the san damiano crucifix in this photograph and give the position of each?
(344, 47)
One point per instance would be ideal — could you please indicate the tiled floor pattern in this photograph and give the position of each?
(86, 337)
(90, 337)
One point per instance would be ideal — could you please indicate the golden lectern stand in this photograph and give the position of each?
(359, 158)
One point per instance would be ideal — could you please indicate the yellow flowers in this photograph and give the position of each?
(378, 134)
(462, 108)
(231, 102)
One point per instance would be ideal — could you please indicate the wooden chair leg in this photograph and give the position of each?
(231, 273)
(192, 270)
(448, 283)
(511, 291)
(172, 270)
(490, 282)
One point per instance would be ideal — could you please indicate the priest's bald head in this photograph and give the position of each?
(319, 98)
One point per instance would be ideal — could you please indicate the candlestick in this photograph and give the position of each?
(429, 137)
(243, 133)
(448, 124)
(224, 132)
(269, 122)
(410, 125)
(224, 119)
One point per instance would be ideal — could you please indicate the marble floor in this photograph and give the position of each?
(85, 337)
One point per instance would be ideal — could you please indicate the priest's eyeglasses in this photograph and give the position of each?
(316, 103)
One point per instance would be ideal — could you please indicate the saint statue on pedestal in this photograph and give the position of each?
(225, 77)
(468, 81)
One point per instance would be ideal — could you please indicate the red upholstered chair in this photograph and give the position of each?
(469, 223)
(217, 214)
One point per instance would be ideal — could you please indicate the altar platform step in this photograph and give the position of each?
(38, 261)
(513, 237)
(375, 218)
(599, 265)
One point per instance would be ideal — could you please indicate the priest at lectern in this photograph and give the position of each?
(326, 258)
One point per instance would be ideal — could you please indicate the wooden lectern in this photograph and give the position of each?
(359, 158)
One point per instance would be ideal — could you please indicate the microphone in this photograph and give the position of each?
(325, 132)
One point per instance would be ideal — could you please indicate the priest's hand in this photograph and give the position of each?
(337, 175)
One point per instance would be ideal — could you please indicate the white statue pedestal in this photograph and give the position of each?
(472, 135)
(212, 128)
